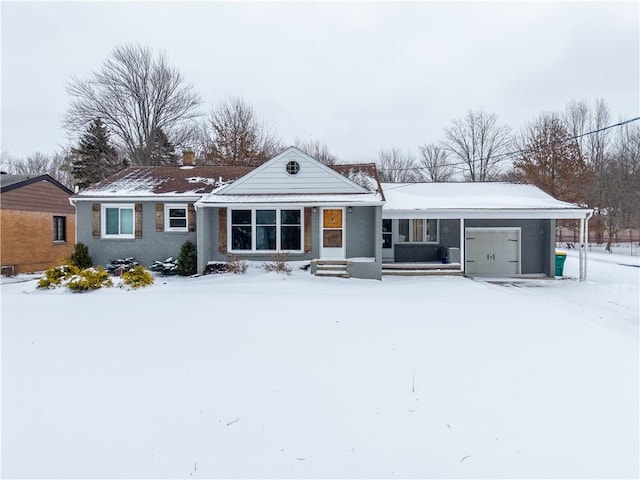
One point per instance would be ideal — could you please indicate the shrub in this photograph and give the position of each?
(80, 256)
(137, 277)
(165, 267)
(279, 264)
(117, 267)
(187, 259)
(89, 279)
(54, 276)
(237, 265)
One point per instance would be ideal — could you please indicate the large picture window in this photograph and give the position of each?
(266, 230)
(117, 221)
(418, 230)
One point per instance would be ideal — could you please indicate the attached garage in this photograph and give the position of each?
(492, 251)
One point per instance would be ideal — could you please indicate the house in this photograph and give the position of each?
(37, 223)
(339, 218)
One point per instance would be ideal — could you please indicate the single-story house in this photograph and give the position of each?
(340, 218)
(37, 223)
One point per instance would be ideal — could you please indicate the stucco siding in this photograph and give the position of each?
(152, 246)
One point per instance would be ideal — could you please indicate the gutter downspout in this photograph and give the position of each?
(584, 239)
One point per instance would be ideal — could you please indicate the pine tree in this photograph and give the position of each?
(161, 150)
(94, 158)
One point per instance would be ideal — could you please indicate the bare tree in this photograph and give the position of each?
(56, 165)
(396, 167)
(435, 163)
(232, 135)
(549, 160)
(317, 149)
(136, 94)
(479, 144)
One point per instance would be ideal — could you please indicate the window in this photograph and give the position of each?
(263, 230)
(59, 229)
(417, 230)
(176, 218)
(293, 167)
(386, 233)
(117, 221)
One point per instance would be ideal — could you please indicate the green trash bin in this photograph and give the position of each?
(560, 258)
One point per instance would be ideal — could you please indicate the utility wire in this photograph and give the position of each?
(515, 152)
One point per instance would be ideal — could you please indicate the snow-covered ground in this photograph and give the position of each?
(267, 376)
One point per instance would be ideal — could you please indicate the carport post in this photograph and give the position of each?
(462, 240)
(582, 251)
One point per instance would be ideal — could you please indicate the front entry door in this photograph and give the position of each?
(332, 235)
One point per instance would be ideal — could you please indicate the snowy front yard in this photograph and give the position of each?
(267, 376)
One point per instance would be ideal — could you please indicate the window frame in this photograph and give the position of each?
(279, 225)
(63, 220)
(120, 206)
(167, 218)
(424, 231)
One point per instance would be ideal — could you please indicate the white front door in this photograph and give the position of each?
(332, 234)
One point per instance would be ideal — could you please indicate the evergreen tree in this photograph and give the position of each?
(94, 158)
(161, 150)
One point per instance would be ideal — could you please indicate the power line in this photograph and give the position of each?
(520, 151)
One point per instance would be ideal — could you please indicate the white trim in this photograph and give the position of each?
(167, 218)
(424, 231)
(333, 253)
(516, 214)
(253, 226)
(103, 220)
(518, 230)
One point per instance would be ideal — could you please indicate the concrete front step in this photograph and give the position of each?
(421, 273)
(420, 266)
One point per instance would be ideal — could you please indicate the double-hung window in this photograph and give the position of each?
(118, 221)
(59, 229)
(418, 230)
(176, 218)
(266, 230)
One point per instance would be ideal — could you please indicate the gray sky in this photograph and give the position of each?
(358, 76)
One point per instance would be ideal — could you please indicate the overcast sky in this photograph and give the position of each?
(357, 76)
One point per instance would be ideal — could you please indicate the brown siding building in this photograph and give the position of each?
(37, 223)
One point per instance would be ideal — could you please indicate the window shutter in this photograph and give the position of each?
(307, 230)
(192, 218)
(222, 230)
(138, 220)
(96, 220)
(159, 217)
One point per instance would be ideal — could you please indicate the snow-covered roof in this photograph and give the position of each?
(164, 181)
(468, 199)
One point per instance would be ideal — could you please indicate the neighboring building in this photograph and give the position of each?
(37, 227)
(339, 218)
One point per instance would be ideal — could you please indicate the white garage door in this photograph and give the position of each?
(492, 251)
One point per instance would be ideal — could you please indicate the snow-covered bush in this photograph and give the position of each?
(89, 279)
(54, 276)
(117, 267)
(237, 265)
(137, 277)
(278, 264)
(168, 266)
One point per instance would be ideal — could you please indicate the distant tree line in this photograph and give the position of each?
(136, 109)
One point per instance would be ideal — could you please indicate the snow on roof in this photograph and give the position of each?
(143, 181)
(466, 196)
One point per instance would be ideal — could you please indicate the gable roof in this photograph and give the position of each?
(475, 200)
(165, 181)
(10, 182)
(312, 177)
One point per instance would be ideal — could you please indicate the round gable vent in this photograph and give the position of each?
(293, 167)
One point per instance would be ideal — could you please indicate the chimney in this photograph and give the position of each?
(188, 158)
